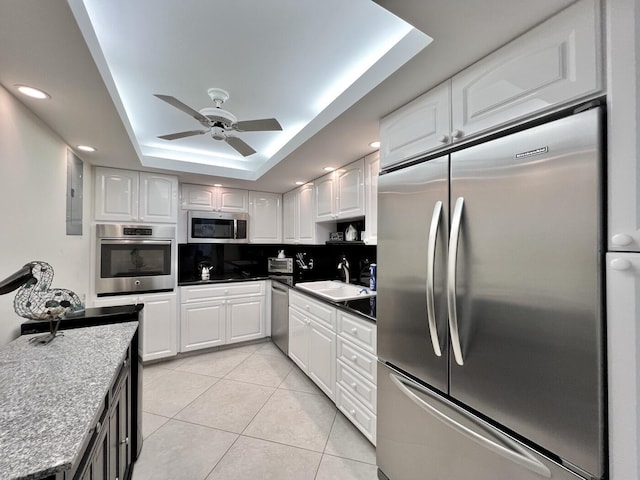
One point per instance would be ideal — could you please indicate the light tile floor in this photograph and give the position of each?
(245, 413)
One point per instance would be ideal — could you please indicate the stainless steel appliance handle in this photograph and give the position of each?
(489, 438)
(135, 242)
(235, 229)
(451, 280)
(431, 260)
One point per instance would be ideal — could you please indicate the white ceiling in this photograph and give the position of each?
(42, 45)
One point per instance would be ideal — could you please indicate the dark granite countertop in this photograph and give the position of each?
(365, 307)
(50, 395)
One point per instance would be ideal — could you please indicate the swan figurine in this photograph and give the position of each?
(36, 300)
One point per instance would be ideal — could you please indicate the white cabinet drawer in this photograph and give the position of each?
(358, 330)
(220, 290)
(361, 417)
(361, 389)
(321, 312)
(362, 362)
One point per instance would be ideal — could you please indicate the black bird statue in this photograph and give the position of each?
(36, 300)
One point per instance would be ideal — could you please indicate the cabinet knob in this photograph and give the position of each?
(226, 292)
(354, 358)
(621, 239)
(307, 307)
(354, 330)
(457, 134)
(98, 426)
(443, 138)
(620, 264)
(352, 412)
(125, 441)
(354, 385)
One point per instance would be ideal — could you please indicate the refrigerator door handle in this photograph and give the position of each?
(451, 280)
(490, 438)
(431, 260)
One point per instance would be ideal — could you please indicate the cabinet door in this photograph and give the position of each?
(557, 62)
(306, 215)
(158, 198)
(245, 319)
(198, 197)
(371, 171)
(325, 198)
(232, 200)
(159, 326)
(202, 325)
(290, 217)
(265, 217)
(349, 182)
(116, 196)
(417, 128)
(124, 453)
(100, 461)
(322, 358)
(623, 338)
(298, 339)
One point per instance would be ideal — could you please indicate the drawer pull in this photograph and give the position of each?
(226, 291)
(354, 358)
(307, 307)
(354, 330)
(354, 385)
(352, 412)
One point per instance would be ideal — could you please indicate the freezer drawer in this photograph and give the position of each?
(422, 436)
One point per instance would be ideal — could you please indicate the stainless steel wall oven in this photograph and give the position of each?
(134, 259)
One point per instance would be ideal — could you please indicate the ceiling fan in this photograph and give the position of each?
(219, 122)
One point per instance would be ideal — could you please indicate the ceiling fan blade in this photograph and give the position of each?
(243, 148)
(185, 108)
(262, 125)
(175, 136)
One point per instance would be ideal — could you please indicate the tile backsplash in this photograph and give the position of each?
(251, 260)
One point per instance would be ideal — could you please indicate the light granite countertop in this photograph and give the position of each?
(49, 395)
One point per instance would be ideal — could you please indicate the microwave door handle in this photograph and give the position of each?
(235, 229)
(136, 242)
(431, 260)
(451, 280)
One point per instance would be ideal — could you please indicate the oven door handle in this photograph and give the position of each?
(135, 242)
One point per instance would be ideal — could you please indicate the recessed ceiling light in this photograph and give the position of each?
(299, 183)
(33, 92)
(375, 144)
(217, 184)
(86, 148)
(329, 169)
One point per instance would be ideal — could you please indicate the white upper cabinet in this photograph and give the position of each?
(371, 171)
(325, 198)
(290, 217)
(340, 194)
(306, 221)
(129, 196)
(265, 217)
(553, 64)
(418, 127)
(350, 190)
(158, 198)
(299, 216)
(221, 199)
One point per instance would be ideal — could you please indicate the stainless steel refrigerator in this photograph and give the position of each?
(490, 309)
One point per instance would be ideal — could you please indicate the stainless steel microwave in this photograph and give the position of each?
(217, 227)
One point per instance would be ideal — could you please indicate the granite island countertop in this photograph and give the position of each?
(50, 394)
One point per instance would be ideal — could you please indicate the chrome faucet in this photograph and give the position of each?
(344, 265)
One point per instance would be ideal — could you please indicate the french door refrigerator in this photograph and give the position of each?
(490, 309)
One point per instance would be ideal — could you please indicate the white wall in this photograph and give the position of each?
(33, 181)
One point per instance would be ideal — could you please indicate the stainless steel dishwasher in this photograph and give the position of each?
(280, 316)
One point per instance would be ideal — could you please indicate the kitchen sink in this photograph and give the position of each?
(336, 290)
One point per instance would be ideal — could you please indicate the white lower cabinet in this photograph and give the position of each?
(158, 322)
(202, 325)
(312, 340)
(221, 313)
(337, 351)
